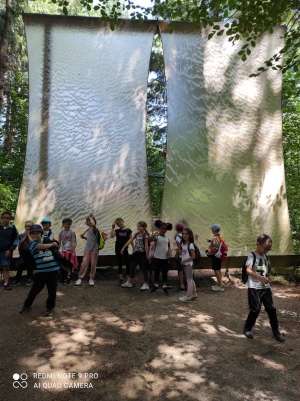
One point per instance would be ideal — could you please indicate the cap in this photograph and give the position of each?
(46, 220)
(36, 227)
(179, 226)
(215, 227)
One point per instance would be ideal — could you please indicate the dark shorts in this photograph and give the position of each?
(3, 260)
(179, 266)
(216, 263)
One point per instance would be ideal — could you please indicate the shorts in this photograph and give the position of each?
(3, 260)
(216, 263)
(179, 265)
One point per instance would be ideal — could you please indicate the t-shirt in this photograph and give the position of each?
(122, 236)
(66, 240)
(139, 242)
(185, 253)
(161, 247)
(178, 239)
(44, 259)
(260, 267)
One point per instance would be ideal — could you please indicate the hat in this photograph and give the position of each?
(36, 227)
(46, 220)
(215, 227)
(179, 226)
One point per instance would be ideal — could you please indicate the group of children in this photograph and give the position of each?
(39, 251)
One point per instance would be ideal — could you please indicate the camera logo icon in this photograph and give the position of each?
(20, 380)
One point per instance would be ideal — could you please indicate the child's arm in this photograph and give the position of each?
(147, 249)
(185, 261)
(73, 243)
(155, 234)
(130, 241)
(113, 233)
(59, 240)
(255, 275)
(43, 247)
(23, 238)
(169, 250)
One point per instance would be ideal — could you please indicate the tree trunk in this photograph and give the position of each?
(4, 48)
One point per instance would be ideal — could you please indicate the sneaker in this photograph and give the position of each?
(181, 289)
(78, 282)
(213, 286)
(169, 287)
(29, 282)
(91, 281)
(121, 281)
(68, 283)
(248, 333)
(165, 291)
(144, 287)
(154, 289)
(217, 288)
(49, 312)
(63, 282)
(278, 336)
(7, 287)
(195, 296)
(15, 283)
(127, 285)
(185, 299)
(23, 309)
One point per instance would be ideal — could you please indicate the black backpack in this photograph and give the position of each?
(197, 254)
(244, 268)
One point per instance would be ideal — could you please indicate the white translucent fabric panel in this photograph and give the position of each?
(224, 155)
(86, 146)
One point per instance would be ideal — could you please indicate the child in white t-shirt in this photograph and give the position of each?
(187, 256)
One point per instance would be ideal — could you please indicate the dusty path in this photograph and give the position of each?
(142, 346)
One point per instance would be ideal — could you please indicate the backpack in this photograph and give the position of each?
(101, 238)
(223, 249)
(197, 254)
(244, 268)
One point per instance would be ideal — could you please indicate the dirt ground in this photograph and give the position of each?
(110, 343)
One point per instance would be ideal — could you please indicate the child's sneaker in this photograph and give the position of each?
(144, 287)
(15, 283)
(278, 336)
(29, 282)
(165, 291)
(121, 281)
(49, 312)
(68, 283)
(185, 299)
(217, 288)
(7, 287)
(154, 289)
(127, 285)
(194, 296)
(78, 282)
(181, 289)
(23, 309)
(91, 281)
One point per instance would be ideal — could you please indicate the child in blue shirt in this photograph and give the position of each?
(46, 270)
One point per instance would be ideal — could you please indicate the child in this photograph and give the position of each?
(91, 251)
(162, 253)
(212, 250)
(122, 235)
(259, 290)
(46, 224)
(9, 240)
(26, 260)
(140, 255)
(178, 238)
(46, 270)
(187, 257)
(67, 242)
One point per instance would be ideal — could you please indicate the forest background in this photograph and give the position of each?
(247, 19)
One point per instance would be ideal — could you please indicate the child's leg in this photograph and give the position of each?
(84, 264)
(51, 282)
(38, 285)
(267, 300)
(144, 267)
(120, 263)
(127, 262)
(164, 270)
(18, 276)
(94, 261)
(156, 263)
(254, 301)
(5, 262)
(189, 277)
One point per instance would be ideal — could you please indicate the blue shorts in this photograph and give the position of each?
(3, 260)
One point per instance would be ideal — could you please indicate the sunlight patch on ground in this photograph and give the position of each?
(268, 363)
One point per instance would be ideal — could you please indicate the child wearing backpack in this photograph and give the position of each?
(122, 235)
(212, 251)
(188, 255)
(91, 250)
(178, 238)
(161, 254)
(259, 291)
(67, 242)
(47, 232)
(140, 255)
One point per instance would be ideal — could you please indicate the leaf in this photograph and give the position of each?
(253, 43)
(65, 10)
